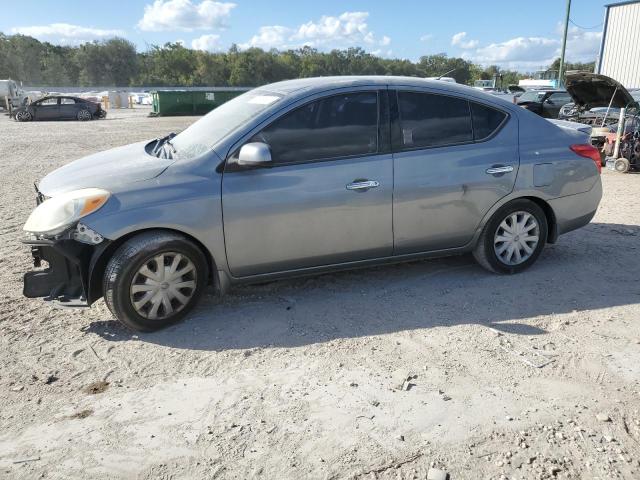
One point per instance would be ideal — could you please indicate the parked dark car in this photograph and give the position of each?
(59, 108)
(546, 103)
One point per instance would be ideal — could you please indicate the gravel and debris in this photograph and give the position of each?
(534, 376)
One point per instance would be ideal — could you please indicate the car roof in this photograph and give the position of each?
(289, 86)
(308, 86)
(61, 96)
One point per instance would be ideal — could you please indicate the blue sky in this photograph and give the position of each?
(513, 34)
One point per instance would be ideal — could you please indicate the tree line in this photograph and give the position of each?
(116, 62)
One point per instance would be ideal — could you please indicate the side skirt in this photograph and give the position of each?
(309, 271)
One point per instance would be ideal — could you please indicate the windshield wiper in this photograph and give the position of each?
(168, 142)
(159, 149)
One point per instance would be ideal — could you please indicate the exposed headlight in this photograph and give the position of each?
(57, 213)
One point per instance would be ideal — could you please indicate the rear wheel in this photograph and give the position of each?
(513, 238)
(154, 279)
(84, 115)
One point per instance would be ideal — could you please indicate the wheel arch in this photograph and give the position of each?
(103, 254)
(552, 224)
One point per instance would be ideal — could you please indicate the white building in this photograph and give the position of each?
(619, 56)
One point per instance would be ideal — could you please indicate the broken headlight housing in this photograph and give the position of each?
(58, 213)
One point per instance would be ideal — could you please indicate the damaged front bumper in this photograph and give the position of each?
(65, 280)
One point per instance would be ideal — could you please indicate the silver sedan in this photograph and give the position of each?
(306, 176)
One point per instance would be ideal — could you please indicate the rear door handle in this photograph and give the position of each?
(362, 185)
(499, 169)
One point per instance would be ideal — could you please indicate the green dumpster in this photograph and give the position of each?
(191, 102)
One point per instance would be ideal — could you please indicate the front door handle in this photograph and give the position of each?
(362, 185)
(499, 169)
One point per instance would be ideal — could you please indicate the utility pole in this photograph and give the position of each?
(564, 45)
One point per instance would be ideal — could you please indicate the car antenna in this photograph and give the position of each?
(447, 73)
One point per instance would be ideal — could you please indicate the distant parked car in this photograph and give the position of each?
(59, 108)
(308, 176)
(546, 103)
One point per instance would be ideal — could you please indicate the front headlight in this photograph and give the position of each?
(57, 213)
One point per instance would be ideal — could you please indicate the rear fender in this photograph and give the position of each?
(531, 195)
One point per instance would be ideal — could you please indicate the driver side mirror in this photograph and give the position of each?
(254, 154)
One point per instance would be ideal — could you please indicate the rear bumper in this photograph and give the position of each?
(65, 279)
(575, 211)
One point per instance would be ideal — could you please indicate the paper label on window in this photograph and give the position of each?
(407, 136)
(263, 99)
(210, 96)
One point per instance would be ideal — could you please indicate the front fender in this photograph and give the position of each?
(187, 204)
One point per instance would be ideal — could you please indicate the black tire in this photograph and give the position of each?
(484, 251)
(24, 116)
(123, 269)
(84, 115)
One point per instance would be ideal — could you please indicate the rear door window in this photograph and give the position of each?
(486, 120)
(431, 120)
(342, 125)
(531, 96)
(560, 98)
(67, 101)
(48, 101)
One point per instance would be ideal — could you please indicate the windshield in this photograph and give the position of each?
(531, 96)
(220, 122)
(636, 95)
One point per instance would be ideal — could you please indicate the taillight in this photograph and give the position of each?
(588, 151)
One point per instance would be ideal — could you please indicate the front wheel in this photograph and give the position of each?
(23, 117)
(513, 238)
(154, 279)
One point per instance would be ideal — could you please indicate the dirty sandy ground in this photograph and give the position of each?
(377, 373)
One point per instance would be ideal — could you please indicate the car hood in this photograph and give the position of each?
(590, 90)
(111, 170)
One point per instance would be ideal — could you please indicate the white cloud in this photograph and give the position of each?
(529, 53)
(273, 36)
(66, 34)
(459, 40)
(350, 26)
(163, 15)
(426, 38)
(582, 46)
(346, 30)
(208, 43)
(379, 52)
(521, 49)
